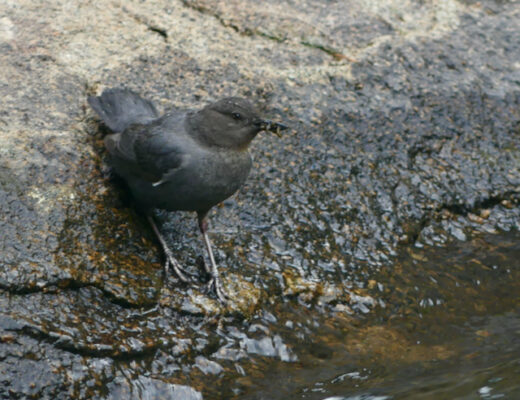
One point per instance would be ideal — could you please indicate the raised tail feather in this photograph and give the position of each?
(120, 108)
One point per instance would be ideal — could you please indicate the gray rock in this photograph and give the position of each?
(405, 115)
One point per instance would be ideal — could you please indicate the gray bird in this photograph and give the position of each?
(187, 161)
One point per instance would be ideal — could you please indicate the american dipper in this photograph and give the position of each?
(187, 161)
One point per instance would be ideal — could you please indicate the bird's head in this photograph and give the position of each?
(232, 122)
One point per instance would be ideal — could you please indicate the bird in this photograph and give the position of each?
(183, 160)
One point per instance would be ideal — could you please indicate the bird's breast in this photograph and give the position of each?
(204, 180)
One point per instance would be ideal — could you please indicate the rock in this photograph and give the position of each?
(405, 128)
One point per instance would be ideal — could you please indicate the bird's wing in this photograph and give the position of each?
(121, 145)
(157, 151)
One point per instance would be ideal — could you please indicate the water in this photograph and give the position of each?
(447, 327)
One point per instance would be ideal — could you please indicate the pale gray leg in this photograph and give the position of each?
(215, 282)
(170, 259)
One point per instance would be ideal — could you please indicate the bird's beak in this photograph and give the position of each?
(274, 127)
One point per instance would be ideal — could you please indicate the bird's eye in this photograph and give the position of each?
(236, 116)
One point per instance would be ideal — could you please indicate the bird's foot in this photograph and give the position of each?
(172, 262)
(215, 285)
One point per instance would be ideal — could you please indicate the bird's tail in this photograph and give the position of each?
(120, 108)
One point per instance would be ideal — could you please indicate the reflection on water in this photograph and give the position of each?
(486, 365)
(448, 326)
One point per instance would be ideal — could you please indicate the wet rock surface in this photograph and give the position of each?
(405, 122)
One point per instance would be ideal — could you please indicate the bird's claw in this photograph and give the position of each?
(215, 285)
(172, 262)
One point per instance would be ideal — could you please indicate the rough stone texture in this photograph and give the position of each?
(405, 117)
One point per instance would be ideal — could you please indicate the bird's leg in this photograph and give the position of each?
(214, 282)
(170, 259)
